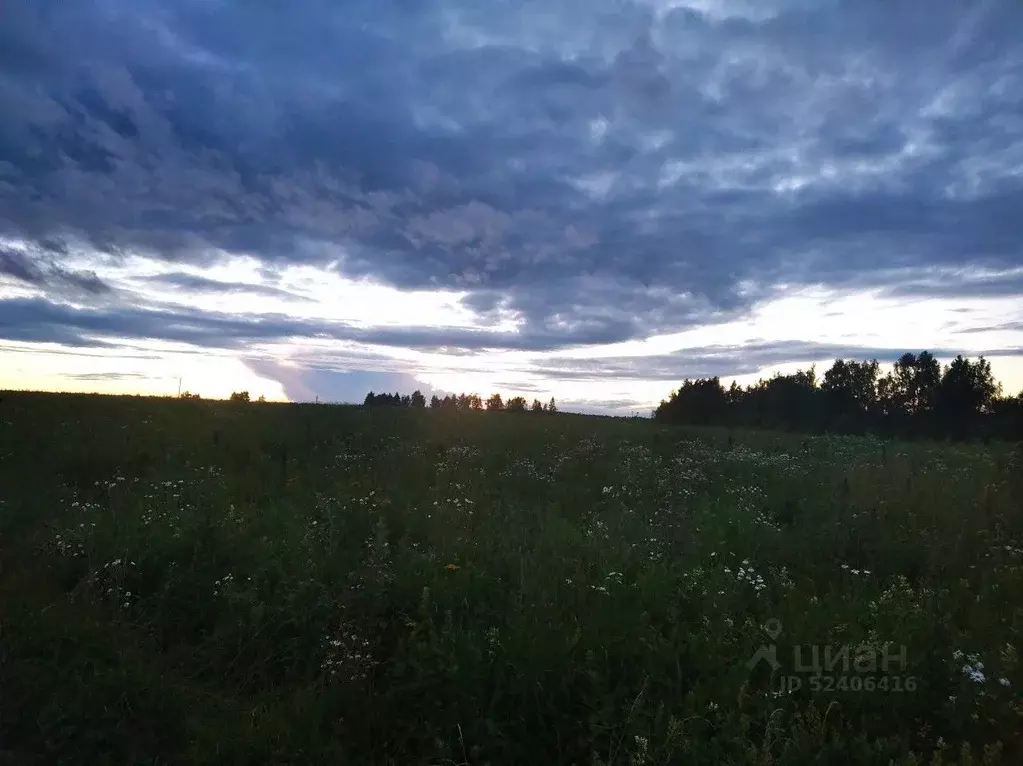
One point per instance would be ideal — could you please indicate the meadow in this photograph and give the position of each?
(216, 583)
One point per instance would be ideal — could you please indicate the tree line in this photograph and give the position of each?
(918, 398)
(461, 402)
(236, 396)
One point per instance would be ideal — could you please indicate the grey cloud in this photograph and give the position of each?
(605, 407)
(967, 285)
(730, 361)
(193, 283)
(1003, 327)
(105, 376)
(122, 352)
(39, 320)
(40, 271)
(525, 152)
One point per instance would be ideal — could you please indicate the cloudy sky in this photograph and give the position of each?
(586, 199)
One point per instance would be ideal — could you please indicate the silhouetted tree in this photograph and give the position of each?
(516, 404)
(435, 402)
(850, 395)
(418, 400)
(698, 402)
(734, 395)
(495, 403)
(387, 400)
(908, 394)
(784, 401)
(240, 396)
(1007, 417)
(536, 407)
(915, 398)
(966, 393)
(551, 406)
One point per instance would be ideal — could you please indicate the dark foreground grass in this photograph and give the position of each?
(194, 582)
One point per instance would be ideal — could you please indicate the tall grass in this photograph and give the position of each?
(195, 582)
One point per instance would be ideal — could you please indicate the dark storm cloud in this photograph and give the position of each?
(512, 149)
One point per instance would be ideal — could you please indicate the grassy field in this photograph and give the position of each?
(205, 583)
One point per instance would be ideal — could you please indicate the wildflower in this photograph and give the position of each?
(975, 674)
(1003, 681)
(452, 567)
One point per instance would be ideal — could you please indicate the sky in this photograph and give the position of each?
(584, 199)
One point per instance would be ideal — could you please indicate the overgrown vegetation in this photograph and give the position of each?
(916, 399)
(196, 582)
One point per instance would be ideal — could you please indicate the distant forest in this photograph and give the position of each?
(916, 399)
(462, 402)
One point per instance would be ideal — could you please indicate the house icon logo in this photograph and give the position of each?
(767, 652)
